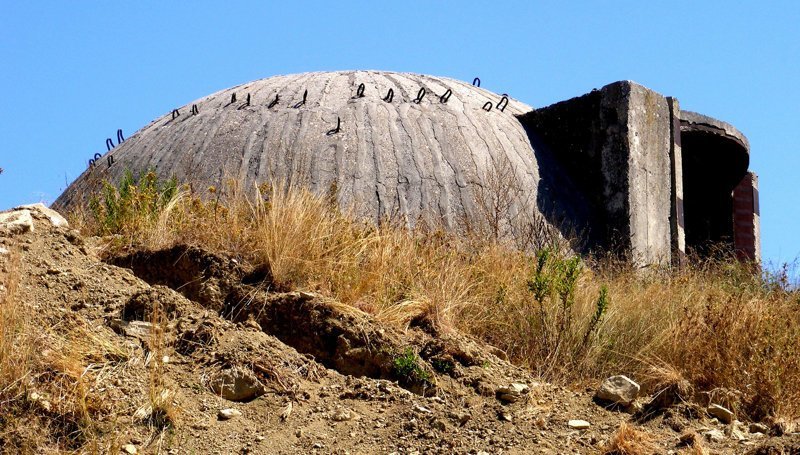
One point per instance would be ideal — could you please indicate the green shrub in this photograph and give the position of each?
(133, 205)
(407, 367)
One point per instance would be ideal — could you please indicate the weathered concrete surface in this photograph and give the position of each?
(692, 121)
(399, 159)
(622, 168)
(649, 177)
(615, 142)
(677, 223)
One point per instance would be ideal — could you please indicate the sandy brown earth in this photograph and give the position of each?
(318, 377)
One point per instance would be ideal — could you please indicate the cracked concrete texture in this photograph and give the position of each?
(390, 159)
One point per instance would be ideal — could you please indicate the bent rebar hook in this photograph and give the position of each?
(195, 110)
(389, 96)
(110, 160)
(487, 106)
(233, 97)
(120, 137)
(476, 82)
(97, 156)
(274, 102)
(109, 144)
(446, 96)
(337, 129)
(247, 103)
(91, 162)
(360, 91)
(500, 104)
(420, 95)
(305, 95)
(175, 113)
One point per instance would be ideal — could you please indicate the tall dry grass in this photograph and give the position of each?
(715, 324)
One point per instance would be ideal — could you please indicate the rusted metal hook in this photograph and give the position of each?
(109, 144)
(110, 160)
(274, 102)
(175, 114)
(195, 110)
(337, 129)
(389, 96)
(446, 96)
(360, 91)
(120, 137)
(476, 82)
(305, 95)
(500, 105)
(420, 95)
(487, 106)
(233, 97)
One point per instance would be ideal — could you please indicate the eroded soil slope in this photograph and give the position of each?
(199, 354)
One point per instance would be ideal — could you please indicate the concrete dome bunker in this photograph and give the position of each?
(419, 147)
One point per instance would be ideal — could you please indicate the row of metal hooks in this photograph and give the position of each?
(360, 90)
(109, 146)
(444, 98)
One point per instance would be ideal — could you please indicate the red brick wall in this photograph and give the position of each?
(746, 232)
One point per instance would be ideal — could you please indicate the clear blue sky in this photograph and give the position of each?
(74, 72)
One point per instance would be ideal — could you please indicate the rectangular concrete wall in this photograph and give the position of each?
(636, 168)
(676, 221)
(616, 142)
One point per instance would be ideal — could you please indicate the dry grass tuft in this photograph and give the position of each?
(713, 326)
(630, 441)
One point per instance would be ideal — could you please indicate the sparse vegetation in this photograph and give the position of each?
(407, 366)
(715, 324)
(131, 207)
(47, 378)
(630, 441)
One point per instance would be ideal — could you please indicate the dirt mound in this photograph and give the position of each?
(183, 351)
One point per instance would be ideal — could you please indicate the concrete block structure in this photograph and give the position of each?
(623, 167)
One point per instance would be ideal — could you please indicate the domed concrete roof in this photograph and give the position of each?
(416, 159)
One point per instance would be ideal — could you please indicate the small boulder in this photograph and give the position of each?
(134, 329)
(229, 413)
(714, 435)
(342, 415)
(54, 217)
(130, 449)
(579, 424)
(16, 222)
(236, 384)
(618, 389)
(513, 392)
(723, 414)
(758, 428)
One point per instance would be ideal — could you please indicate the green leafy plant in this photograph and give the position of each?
(407, 366)
(132, 205)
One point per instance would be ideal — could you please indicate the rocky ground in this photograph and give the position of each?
(203, 356)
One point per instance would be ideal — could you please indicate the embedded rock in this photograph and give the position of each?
(54, 217)
(723, 414)
(618, 389)
(227, 414)
(236, 384)
(512, 392)
(579, 424)
(16, 222)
